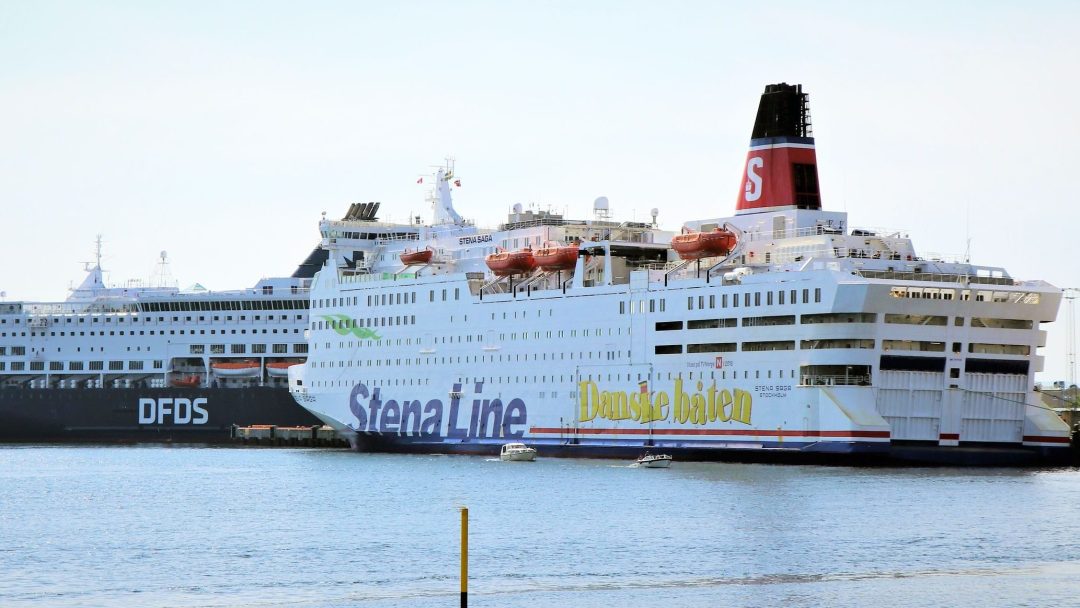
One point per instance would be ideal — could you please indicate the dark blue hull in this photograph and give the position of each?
(166, 415)
(838, 453)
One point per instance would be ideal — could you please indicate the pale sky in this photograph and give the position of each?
(219, 131)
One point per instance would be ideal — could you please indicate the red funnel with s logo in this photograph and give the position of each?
(781, 167)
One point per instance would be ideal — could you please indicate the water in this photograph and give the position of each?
(160, 526)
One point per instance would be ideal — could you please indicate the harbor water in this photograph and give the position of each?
(209, 527)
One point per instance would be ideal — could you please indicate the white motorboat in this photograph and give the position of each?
(517, 452)
(654, 461)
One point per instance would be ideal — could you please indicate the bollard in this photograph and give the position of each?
(464, 557)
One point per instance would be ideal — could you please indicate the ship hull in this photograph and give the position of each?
(467, 430)
(162, 415)
(845, 454)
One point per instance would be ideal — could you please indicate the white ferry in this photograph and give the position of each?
(139, 362)
(779, 333)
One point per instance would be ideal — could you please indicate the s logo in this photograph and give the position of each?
(753, 180)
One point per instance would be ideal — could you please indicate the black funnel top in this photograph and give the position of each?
(783, 112)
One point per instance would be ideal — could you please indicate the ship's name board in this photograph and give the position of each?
(705, 405)
(173, 410)
(472, 240)
(483, 418)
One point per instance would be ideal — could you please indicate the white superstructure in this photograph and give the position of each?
(137, 335)
(809, 337)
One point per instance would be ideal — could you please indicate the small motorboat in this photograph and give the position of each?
(555, 257)
(280, 369)
(236, 369)
(508, 263)
(423, 256)
(517, 452)
(654, 461)
(697, 245)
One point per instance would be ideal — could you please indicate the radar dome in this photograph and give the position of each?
(601, 203)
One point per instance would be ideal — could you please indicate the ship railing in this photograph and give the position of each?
(764, 232)
(935, 277)
(834, 380)
(411, 236)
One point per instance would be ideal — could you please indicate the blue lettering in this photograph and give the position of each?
(373, 411)
(451, 428)
(491, 411)
(410, 410)
(391, 417)
(433, 423)
(515, 415)
(360, 391)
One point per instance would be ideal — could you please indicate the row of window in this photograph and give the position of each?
(939, 293)
(387, 299)
(228, 305)
(568, 378)
(171, 332)
(844, 343)
(240, 349)
(78, 366)
(44, 322)
(843, 317)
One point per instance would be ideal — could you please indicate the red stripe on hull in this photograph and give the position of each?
(706, 432)
(1040, 439)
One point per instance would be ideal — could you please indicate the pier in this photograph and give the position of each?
(287, 436)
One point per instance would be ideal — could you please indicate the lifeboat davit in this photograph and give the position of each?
(697, 245)
(237, 369)
(422, 256)
(507, 263)
(557, 258)
(280, 369)
(189, 381)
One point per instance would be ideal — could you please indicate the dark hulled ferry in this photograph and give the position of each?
(153, 363)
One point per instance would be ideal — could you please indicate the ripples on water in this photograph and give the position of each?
(159, 526)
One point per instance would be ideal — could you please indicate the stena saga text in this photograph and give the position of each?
(781, 333)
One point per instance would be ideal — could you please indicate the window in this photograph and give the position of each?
(238, 349)
(258, 349)
(217, 349)
(281, 349)
(197, 349)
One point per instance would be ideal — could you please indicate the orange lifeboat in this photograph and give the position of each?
(189, 381)
(557, 258)
(507, 263)
(697, 245)
(280, 369)
(237, 369)
(423, 256)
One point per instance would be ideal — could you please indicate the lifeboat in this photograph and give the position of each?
(557, 258)
(507, 263)
(189, 381)
(280, 369)
(236, 369)
(422, 256)
(697, 245)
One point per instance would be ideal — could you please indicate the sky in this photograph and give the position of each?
(220, 131)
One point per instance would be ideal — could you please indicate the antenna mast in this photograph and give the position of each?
(1070, 294)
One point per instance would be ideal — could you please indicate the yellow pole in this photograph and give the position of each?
(464, 557)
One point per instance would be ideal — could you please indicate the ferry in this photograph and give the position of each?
(145, 362)
(779, 333)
